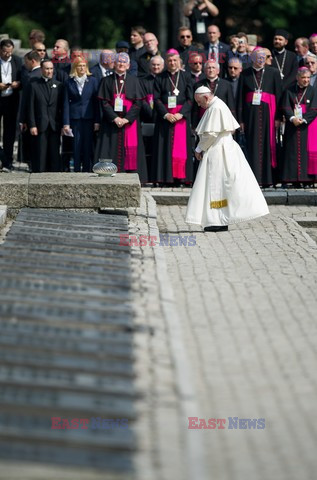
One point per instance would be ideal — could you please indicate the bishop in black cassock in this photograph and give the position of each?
(120, 136)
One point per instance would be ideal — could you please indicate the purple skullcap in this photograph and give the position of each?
(313, 35)
(172, 51)
(122, 57)
(302, 70)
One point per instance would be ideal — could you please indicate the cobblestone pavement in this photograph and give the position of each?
(247, 303)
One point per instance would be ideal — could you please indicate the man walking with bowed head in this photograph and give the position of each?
(225, 190)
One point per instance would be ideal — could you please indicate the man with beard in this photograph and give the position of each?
(258, 97)
(120, 133)
(299, 106)
(284, 60)
(173, 93)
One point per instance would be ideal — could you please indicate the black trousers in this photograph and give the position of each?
(8, 116)
(46, 156)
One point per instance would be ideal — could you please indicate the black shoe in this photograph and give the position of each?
(223, 228)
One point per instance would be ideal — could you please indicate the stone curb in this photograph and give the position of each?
(283, 197)
(3, 214)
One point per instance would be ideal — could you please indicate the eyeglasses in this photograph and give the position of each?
(234, 68)
(185, 36)
(310, 63)
(41, 49)
(197, 63)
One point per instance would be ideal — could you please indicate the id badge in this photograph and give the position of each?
(118, 104)
(201, 27)
(256, 100)
(298, 112)
(172, 102)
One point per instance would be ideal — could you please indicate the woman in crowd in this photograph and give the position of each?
(81, 113)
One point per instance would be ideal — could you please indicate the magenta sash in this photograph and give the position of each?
(270, 99)
(130, 139)
(311, 145)
(179, 147)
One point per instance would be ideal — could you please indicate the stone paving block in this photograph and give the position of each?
(14, 190)
(301, 197)
(275, 198)
(307, 221)
(171, 198)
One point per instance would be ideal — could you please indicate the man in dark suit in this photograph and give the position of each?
(216, 50)
(45, 120)
(31, 72)
(10, 83)
(105, 66)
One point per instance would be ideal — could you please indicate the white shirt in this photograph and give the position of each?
(6, 76)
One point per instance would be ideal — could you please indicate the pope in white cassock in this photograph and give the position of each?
(225, 190)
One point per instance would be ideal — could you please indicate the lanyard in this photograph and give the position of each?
(297, 101)
(175, 91)
(281, 68)
(117, 88)
(258, 89)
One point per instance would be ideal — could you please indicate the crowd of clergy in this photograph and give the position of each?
(135, 104)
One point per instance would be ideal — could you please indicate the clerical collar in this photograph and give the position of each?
(213, 79)
(46, 79)
(280, 51)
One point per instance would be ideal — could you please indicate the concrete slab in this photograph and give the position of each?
(302, 197)
(70, 190)
(14, 189)
(275, 197)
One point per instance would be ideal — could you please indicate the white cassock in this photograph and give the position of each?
(225, 190)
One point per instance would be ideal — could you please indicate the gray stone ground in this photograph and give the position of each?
(247, 304)
(230, 332)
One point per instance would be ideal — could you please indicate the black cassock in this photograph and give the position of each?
(111, 139)
(287, 65)
(166, 136)
(295, 138)
(259, 127)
